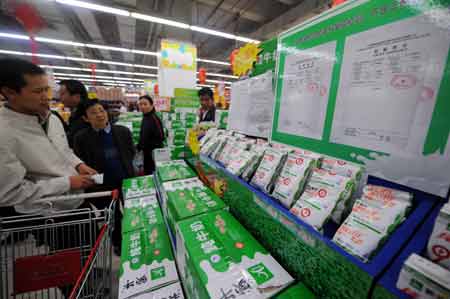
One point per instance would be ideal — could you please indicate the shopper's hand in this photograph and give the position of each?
(81, 182)
(84, 169)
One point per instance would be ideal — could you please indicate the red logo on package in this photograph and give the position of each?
(305, 212)
(286, 181)
(41, 272)
(340, 162)
(322, 193)
(299, 161)
(270, 157)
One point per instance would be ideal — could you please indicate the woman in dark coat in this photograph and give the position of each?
(152, 133)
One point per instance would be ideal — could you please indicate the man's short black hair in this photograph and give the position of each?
(85, 105)
(206, 91)
(75, 87)
(146, 97)
(13, 70)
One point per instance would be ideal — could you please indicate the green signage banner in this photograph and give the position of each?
(185, 98)
(266, 58)
(369, 82)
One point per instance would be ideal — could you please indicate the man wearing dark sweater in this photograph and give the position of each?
(109, 150)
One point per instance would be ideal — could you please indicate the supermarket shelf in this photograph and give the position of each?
(380, 263)
(417, 245)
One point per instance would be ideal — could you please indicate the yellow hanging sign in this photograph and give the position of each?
(244, 59)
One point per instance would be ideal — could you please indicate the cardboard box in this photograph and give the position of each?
(188, 198)
(177, 152)
(147, 261)
(174, 170)
(421, 278)
(173, 291)
(138, 187)
(217, 257)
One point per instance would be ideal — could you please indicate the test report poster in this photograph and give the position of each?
(387, 104)
(251, 106)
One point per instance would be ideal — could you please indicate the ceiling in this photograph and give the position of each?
(257, 19)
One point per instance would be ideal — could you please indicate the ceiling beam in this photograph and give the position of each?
(232, 9)
(294, 16)
(78, 30)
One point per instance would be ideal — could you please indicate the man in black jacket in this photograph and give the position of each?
(73, 94)
(152, 133)
(109, 150)
(208, 109)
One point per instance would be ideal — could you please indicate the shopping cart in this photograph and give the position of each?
(67, 254)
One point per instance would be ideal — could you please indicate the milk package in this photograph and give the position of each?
(439, 244)
(292, 178)
(147, 261)
(188, 198)
(231, 150)
(138, 186)
(238, 164)
(217, 257)
(223, 140)
(268, 170)
(174, 170)
(373, 218)
(321, 196)
(249, 171)
(346, 169)
(423, 279)
(173, 290)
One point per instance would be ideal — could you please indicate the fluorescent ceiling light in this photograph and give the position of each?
(144, 52)
(221, 75)
(102, 47)
(145, 74)
(213, 32)
(47, 56)
(59, 41)
(96, 76)
(146, 66)
(15, 36)
(213, 61)
(98, 80)
(12, 52)
(247, 40)
(65, 68)
(159, 20)
(107, 9)
(217, 81)
(205, 85)
(83, 59)
(117, 63)
(99, 70)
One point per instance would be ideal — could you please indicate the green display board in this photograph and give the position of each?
(185, 98)
(369, 82)
(266, 58)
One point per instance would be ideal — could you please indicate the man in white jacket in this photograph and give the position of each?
(35, 159)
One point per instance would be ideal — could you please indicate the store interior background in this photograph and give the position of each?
(255, 19)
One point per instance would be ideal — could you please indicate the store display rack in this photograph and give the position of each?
(311, 256)
(417, 244)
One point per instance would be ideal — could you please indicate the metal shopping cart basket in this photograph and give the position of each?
(67, 254)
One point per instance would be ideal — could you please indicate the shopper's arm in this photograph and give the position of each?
(15, 188)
